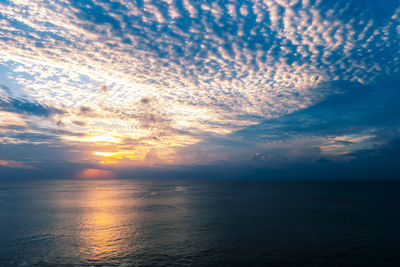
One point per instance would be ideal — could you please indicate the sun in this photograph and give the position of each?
(95, 174)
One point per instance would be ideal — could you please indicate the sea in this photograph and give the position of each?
(202, 222)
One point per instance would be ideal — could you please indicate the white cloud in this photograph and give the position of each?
(212, 69)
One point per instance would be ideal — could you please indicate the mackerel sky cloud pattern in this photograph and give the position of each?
(136, 77)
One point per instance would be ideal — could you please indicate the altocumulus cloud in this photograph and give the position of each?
(287, 80)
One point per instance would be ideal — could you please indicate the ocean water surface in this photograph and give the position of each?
(199, 223)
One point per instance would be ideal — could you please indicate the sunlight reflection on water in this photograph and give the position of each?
(141, 222)
(100, 226)
(118, 220)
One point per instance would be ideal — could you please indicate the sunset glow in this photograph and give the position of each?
(109, 154)
(95, 173)
(250, 84)
(199, 133)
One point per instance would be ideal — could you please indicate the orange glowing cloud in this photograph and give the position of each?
(95, 173)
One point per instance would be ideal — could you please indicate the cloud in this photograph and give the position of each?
(358, 108)
(386, 150)
(279, 63)
(362, 118)
(103, 89)
(86, 111)
(5, 89)
(79, 123)
(15, 164)
(150, 117)
(30, 108)
(170, 74)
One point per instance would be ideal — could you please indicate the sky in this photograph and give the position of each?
(184, 88)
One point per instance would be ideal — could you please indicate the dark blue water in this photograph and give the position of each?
(199, 223)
